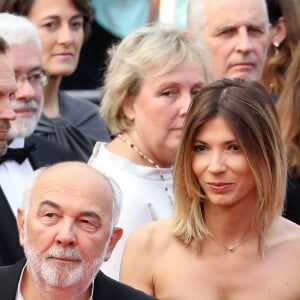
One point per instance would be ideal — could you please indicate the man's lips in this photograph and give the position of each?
(25, 111)
(242, 65)
(65, 259)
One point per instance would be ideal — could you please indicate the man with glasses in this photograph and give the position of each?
(26, 152)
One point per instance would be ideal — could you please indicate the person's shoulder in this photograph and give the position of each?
(47, 151)
(9, 278)
(285, 233)
(152, 235)
(108, 288)
(288, 228)
(80, 103)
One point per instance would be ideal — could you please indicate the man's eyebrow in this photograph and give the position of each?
(48, 203)
(86, 213)
(91, 214)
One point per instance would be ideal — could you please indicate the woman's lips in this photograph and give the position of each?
(219, 187)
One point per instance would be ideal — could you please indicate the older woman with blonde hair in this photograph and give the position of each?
(151, 78)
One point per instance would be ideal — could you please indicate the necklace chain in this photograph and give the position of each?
(232, 248)
(149, 160)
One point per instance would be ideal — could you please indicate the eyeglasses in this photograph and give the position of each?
(35, 78)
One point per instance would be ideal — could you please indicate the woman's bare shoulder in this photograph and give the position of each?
(151, 235)
(285, 233)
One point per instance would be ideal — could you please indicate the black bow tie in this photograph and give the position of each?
(17, 154)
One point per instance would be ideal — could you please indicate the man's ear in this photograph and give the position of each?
(115, 237)
(128, 107)
(21, 224)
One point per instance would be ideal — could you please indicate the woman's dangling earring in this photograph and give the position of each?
(276, 46)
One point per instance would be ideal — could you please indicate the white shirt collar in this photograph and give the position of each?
(17, 143)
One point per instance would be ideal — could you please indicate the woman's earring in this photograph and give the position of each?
(276, 46)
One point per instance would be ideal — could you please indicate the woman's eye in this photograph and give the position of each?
(168, 93)
(50, 25)
(76, 25)
(195, 92)
(235, 148)
(199, 148)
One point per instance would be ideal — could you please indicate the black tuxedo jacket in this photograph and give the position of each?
(105, 288)
(45, 153)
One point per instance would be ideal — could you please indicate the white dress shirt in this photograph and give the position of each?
(14, 176)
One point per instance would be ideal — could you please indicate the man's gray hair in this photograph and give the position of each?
(18, 30)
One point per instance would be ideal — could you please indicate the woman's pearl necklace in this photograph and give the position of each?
(149, 160)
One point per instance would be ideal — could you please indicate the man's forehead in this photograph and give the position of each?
(235, 7)
(64, 194)
(25, 56)
(222, 14)
(89, 188)
(7, 77)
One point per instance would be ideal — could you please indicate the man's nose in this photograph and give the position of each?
(25, 91)
(244, 41)
(66, 233)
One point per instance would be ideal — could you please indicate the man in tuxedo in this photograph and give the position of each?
(7, 88)
(26, 152)
(67, 229)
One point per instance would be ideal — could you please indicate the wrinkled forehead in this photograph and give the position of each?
(85, 192)
(7, 76)
(231, 11)
(25, 56)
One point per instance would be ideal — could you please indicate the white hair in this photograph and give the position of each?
(18, 30)
(116, 200)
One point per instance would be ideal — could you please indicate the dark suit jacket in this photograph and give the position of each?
(45, 153)
(292, 204)
(105, 288)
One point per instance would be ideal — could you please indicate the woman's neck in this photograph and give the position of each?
(51, 102)
(124, 146)
(230, 223)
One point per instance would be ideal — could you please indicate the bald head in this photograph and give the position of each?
(75, 179)
(235, 33)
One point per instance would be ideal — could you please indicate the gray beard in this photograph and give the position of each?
(52, 277)
(24, 126)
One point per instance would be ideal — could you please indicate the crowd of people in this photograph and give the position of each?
(183, 183)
